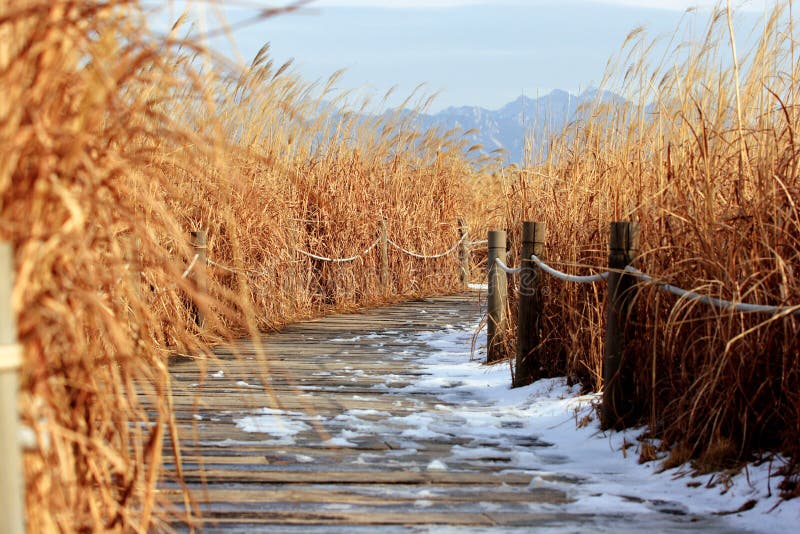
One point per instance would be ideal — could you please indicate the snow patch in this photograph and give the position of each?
(276, 423)
(437, 465)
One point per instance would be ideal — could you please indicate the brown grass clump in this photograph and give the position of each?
(116, 144)
(679, 454)
(719, 455)
(705, 157)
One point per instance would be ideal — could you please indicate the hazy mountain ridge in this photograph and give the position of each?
(505, 128)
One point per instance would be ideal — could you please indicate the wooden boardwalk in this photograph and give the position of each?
(308, 468)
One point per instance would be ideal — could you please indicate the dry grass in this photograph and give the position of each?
(116, 144)
(705, 157)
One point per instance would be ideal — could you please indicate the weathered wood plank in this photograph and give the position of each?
(232, 497)
(356, 477)
(417, 518)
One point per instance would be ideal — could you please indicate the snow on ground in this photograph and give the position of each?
(280, 425)
(548, 430)
(555, 413)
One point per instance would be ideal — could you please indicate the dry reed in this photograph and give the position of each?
(115, 144)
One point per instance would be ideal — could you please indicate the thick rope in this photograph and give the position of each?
(669, 288)
(339, 260)
(431, 257)
(712, 301)
(569, 277)
(188, 270)
(506, 268)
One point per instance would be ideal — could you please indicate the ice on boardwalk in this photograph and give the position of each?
(437, 465)
(280, 425)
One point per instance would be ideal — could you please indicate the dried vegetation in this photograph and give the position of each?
(116, 143)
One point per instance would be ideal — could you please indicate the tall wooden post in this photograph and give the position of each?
(498, 292)
(531, 305)
(12, 488)
(199, 272)
(618, 406)
(463, 254)
(384, 250)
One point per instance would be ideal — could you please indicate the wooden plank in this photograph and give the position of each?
(347, 518)
(417, 518)
(355, 477)
(232, 497)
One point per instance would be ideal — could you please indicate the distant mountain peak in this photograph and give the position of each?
(507, 127)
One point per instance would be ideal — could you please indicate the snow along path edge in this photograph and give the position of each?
(613, 479)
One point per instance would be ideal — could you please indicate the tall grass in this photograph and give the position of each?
(115, 145)
(704, 154)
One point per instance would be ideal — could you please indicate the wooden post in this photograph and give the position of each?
(463, 254)
(384, 251)
(618, 406)
(531, 305)
(12, 488)
(199, 272)
(498, 291)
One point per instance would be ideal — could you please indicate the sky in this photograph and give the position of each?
(469, 52)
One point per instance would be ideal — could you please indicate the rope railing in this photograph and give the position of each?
(425, 256)
(622, 325)
(505, 268)
(339, 260)
(663, 286)
(590, 279)
(553, 272)
(560, 275)
(712, 301)
(189, 269)
(319, 257)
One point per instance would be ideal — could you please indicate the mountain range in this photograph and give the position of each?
(505, 129)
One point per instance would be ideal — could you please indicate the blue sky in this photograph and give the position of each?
(471, 52)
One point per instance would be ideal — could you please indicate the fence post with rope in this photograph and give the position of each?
(618, 406)
(198, 273)
(12, 488)
(530, 305)
(498, 294)
(463, 254)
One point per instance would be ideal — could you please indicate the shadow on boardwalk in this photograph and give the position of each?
(326, 430)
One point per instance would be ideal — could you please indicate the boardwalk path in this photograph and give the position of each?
(342, 440)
